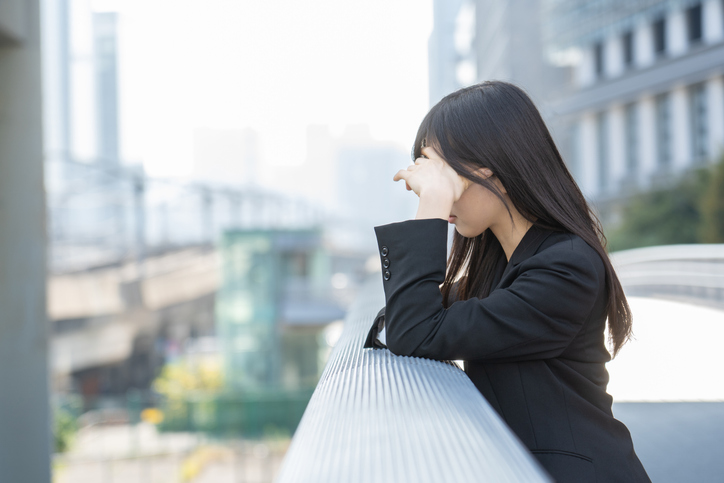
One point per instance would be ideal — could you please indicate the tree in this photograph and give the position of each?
(663, 216)
(711, 229)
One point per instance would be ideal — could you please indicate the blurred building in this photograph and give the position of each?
(133, 270)
(632, 91)
(451, 47)
(498, 40)
(275, 298)
(350, 176)
(282, 296)
(367, 196)
(90, 194)
(648, 90)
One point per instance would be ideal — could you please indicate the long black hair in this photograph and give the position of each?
(494, 124)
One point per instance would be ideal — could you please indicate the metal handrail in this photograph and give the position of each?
(691, 273)
(378, 417)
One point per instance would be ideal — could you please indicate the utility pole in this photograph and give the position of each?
(24, 388)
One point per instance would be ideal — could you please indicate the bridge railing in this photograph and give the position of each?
(689, 273)
(378, 417)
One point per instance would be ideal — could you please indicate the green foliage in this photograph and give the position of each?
(711, 230)
(181, 379)
(663, 216)
(64, 429)
(689, 211)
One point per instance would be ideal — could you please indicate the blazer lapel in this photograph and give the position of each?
(526, 248)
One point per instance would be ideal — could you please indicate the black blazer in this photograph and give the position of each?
(534, 347)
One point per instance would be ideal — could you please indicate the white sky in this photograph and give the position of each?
(275, 66)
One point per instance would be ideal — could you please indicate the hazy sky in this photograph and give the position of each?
(275, 66)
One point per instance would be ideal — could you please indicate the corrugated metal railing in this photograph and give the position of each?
(377, 417)
(689, 273)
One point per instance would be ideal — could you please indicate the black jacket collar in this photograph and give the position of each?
(528, 246)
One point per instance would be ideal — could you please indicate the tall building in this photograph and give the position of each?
(509, 48)
(647, 99)
(633, 91)
(88, 197)
(450, 47)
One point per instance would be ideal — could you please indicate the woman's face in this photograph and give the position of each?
(478, 208)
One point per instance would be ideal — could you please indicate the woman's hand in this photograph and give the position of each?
(435, 182)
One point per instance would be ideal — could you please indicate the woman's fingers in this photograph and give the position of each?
(401, 174)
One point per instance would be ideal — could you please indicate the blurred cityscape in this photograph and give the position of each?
(189, 318)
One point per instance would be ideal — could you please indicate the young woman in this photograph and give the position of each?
(527, 289)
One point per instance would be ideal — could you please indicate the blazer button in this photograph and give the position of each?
(387, 275)
(386, 263)
(384, 251)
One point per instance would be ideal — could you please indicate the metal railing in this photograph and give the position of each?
(377, 417)
(688, 273)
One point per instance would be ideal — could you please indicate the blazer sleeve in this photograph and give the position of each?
(372, 341)
(535, 317)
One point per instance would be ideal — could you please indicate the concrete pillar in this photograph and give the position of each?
(617, 150)
(681, 128)
(588, 168)
(715, 87)
(24, 406)
(643, 44)
(713, 19)
(613, 56)
(648, 162)
(676, 35)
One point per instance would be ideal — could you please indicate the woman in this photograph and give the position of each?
(528, 286)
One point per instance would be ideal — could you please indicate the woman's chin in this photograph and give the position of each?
(462, 231)
(466, 231)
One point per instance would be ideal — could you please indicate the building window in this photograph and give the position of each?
(598, 58)
(693, 23)
(628, 49)
(698, 122)
(660, 37)
(602, 150)
(632, 141)
(663, 130)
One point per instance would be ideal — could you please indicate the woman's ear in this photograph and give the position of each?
(487, 173)
(500, 185)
